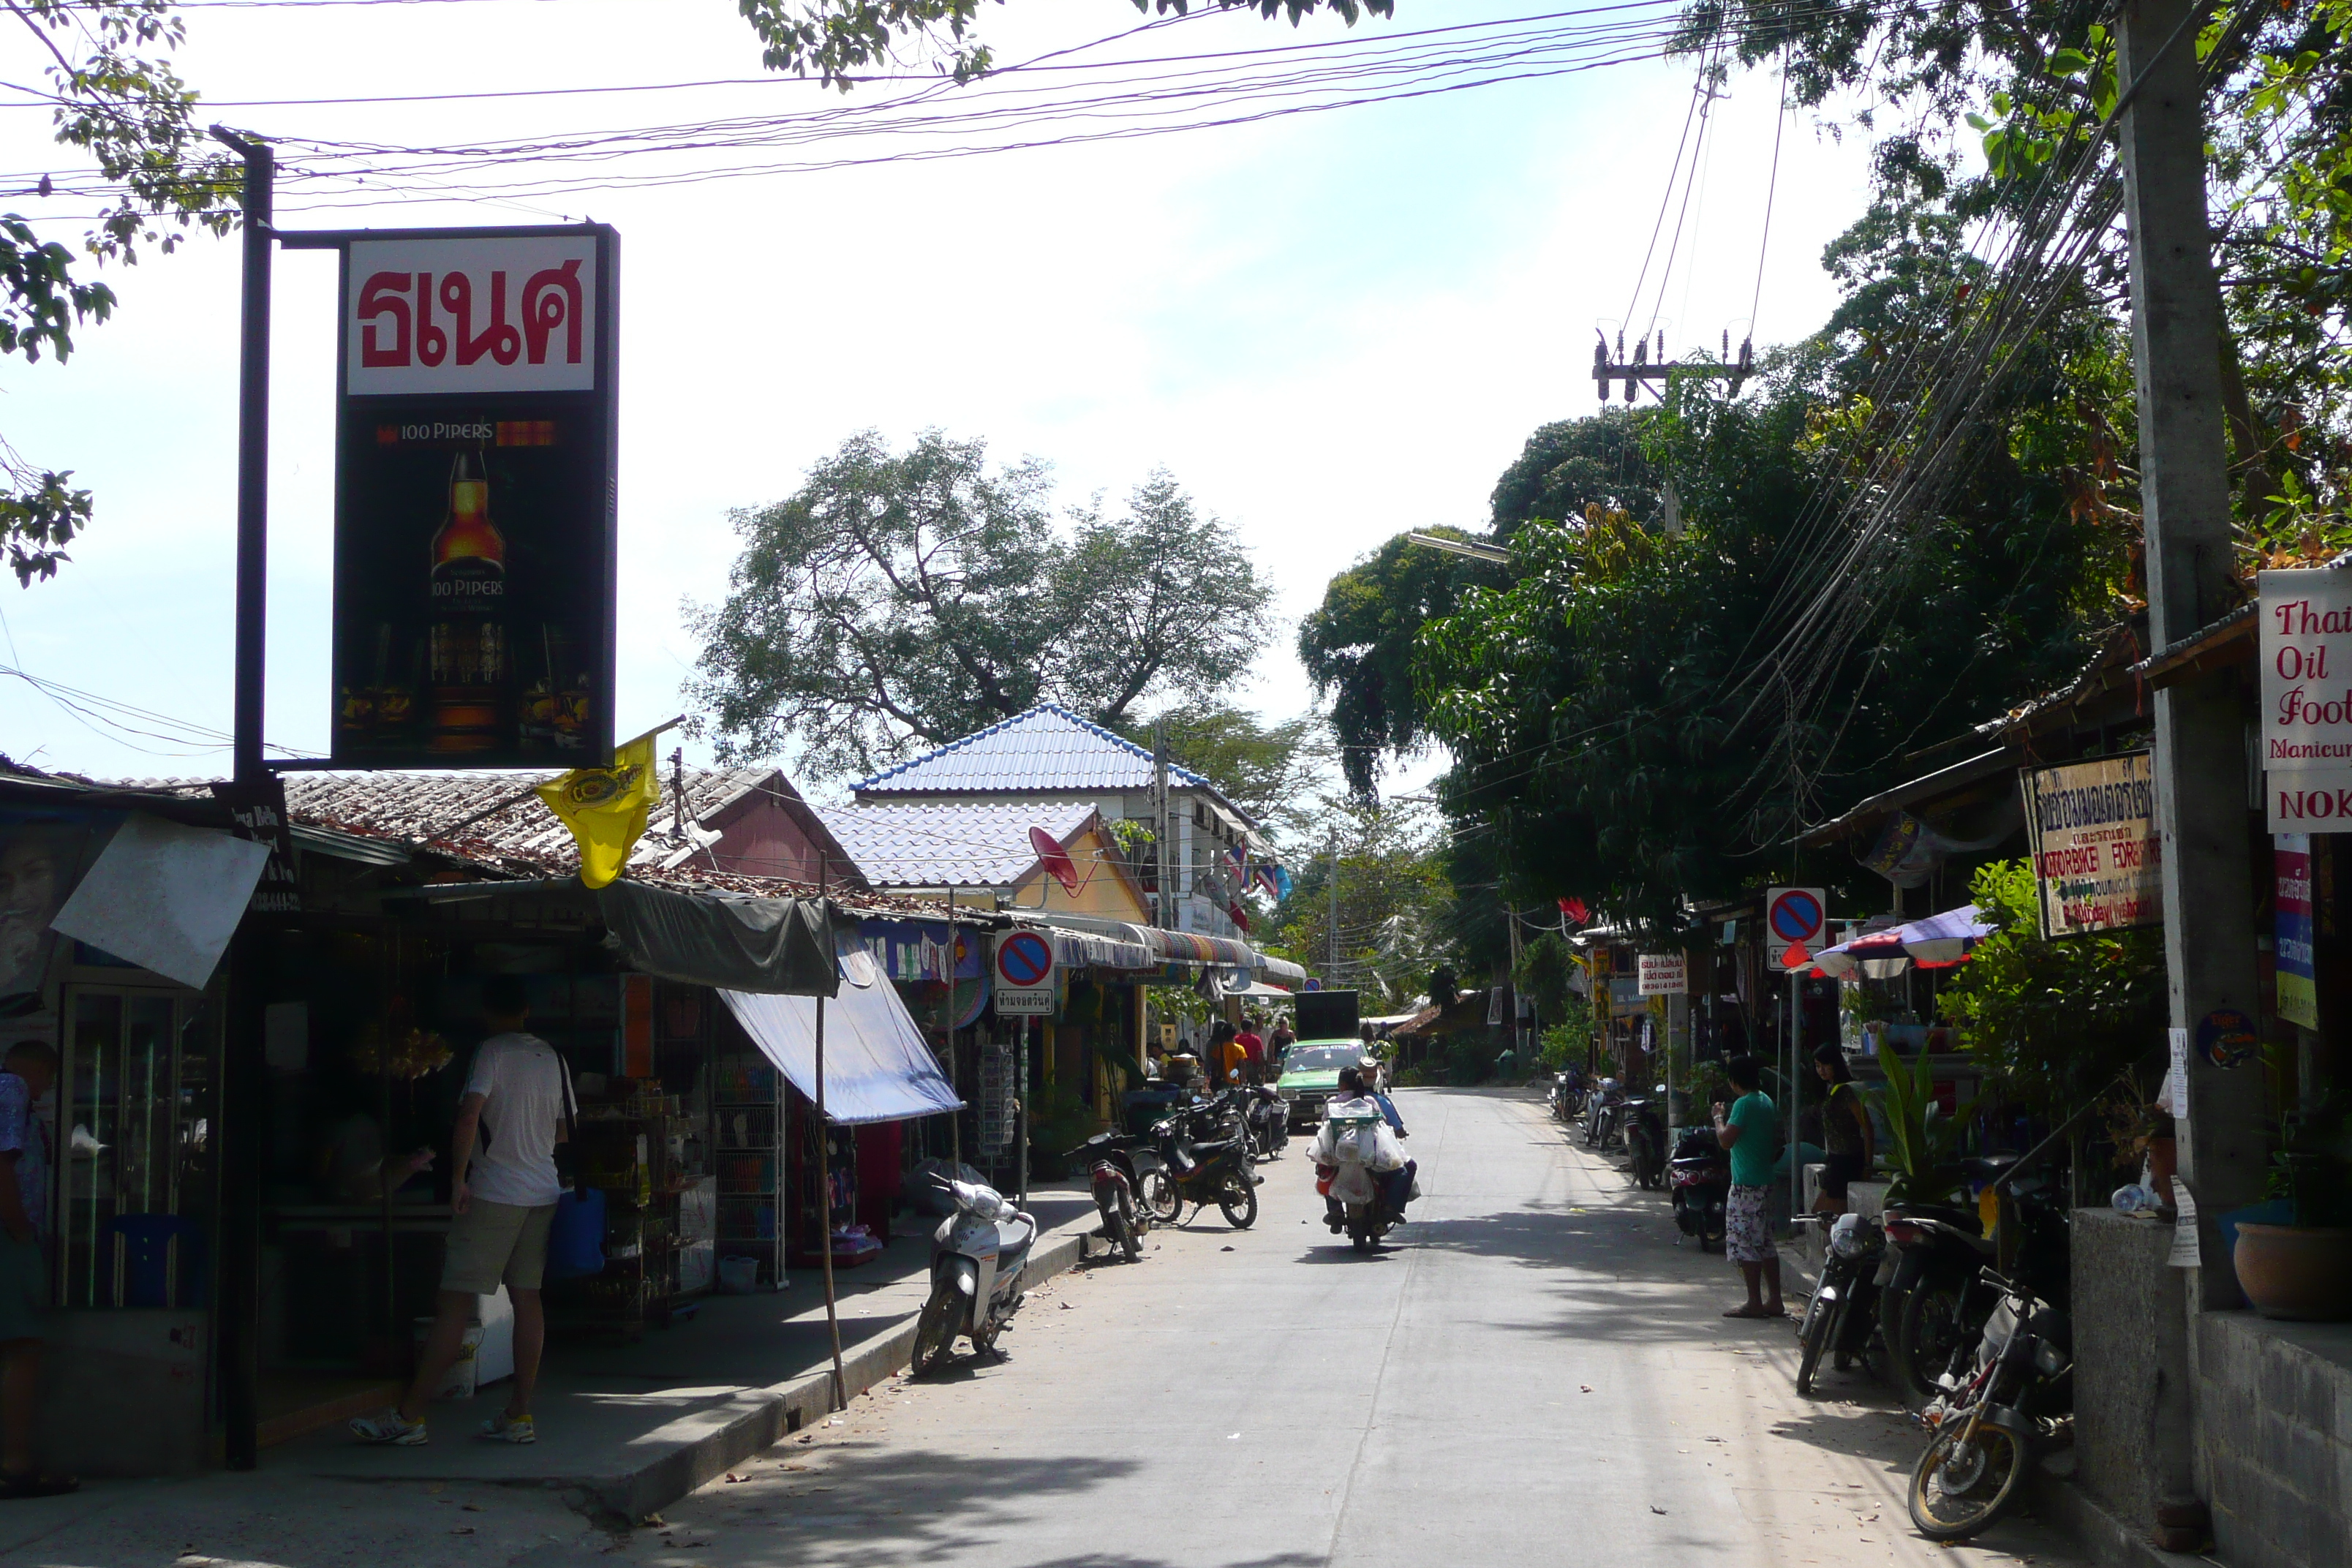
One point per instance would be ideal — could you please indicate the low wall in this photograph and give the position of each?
(2131, 1365)
(2274, 1439)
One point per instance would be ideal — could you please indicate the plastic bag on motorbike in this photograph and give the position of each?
(1388, 1150)
(1354, 1183)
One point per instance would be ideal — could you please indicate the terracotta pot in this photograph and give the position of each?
(2289, 1271)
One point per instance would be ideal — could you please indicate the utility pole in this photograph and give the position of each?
(243, 1082)
(2202, 793)
(1332, 964)
(1163, 903)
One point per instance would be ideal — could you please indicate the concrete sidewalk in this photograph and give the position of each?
(623, 1430)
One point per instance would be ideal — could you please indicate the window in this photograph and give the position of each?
(134, 1145)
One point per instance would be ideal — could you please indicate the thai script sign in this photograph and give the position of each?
(474, 520)
(1663, 974)
(2305, 653)
(2298, 979)
(2096, 858)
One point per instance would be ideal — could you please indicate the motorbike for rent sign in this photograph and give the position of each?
(2305, 653)
(1661, 973)
(1025, 974)
(2091, 829)
(475, 497)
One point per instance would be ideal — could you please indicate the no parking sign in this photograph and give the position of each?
(1793, 917)
(1025, 974)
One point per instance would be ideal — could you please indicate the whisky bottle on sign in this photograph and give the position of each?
(466, 629)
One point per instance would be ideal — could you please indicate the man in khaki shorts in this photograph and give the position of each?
(502, 1192)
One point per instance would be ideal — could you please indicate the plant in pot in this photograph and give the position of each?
(1920, 1140)
(2303, 1270)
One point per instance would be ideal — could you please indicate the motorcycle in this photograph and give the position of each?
(1645, 1140)
(1124, 1173)
(1700, 1174)
(2017, 1392)
(1355, 1197)
(1215, 1172)
(1265, 1117)
(1601, 1113)
(978, 1254)
(1945, 1303)
(1844, 1312)
(1565, 1098)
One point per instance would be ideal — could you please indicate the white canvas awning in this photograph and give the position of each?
(878, 1065)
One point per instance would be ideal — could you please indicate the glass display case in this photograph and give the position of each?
(134, 1149)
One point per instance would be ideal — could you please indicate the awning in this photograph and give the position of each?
(769, 946)
(1272, 968)
(877, 1066)
(1192, 947)
(1937, 942)
(1097, 950)
(1257, 988)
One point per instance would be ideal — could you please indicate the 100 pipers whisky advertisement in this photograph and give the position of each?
(473, 508)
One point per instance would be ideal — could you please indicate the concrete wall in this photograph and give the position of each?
(2131, 1328)
(2274, 1439)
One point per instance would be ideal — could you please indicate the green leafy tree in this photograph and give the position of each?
(840, 40)
(1279, 771)
(905, 599)
(2052, 1021)
(115, 100)
(1393, 906)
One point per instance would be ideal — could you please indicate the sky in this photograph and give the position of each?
(1330, 327)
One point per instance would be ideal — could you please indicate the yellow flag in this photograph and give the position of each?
(606, 808)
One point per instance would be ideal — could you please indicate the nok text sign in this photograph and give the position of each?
(2305, 653)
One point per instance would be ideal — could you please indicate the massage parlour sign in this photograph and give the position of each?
(2305, 651)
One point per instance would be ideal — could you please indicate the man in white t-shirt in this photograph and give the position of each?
(502, 1193)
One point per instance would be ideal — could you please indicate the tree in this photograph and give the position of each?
(114, 98)
(904, 599)
(838, 40)
(1278, 772)
(1394, 903)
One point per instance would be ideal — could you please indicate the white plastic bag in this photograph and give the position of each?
(1353, 1184)
(1387, 1149)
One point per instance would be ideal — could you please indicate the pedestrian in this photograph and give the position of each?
(1253, 1047)
(1278, 1044)
(1226, 1057)
(1849, 1143)
(30, 1069)
(502, 1199)
(1750, 1131)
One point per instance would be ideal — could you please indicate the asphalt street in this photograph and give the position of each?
(1532, 1372)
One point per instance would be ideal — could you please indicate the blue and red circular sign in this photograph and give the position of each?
(1024, 958)
(1795, 915)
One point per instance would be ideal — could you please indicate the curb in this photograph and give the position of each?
(2104, 1538)
(776, 1412)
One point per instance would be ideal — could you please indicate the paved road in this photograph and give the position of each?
(1534, 1374)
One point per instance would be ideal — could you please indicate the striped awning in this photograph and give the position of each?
(1192, 947)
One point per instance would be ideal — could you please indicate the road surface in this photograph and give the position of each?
(1534, 1373)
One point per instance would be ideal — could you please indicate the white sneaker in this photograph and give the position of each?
(501, 1429)
(387, 1426)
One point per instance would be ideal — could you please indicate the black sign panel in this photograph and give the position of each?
(475, 528)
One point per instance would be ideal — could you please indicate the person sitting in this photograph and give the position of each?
(1396, 1186)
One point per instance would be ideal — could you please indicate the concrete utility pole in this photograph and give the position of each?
(1333, 964)
(1163, 905)
(2201, 786)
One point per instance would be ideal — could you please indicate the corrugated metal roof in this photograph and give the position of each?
(1047, 750)
(949, 843)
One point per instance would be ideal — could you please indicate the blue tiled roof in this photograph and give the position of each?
(939, 843)
(1047, 749)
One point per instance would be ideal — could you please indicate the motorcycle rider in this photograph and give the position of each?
(1396, 1186)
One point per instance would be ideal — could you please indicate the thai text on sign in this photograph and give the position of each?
(1662, 974)
(2096, 859)
(2305, 655)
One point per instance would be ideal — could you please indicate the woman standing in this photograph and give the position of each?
(1849, 1143)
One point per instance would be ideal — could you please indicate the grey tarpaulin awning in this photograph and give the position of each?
(773, 946)
(877, 1066)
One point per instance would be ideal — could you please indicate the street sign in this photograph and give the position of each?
(475, 484)
(1793, 917)
(1663, 974)
(1025, 974)
(2091, 829)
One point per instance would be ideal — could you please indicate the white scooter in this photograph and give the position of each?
(978, 1257)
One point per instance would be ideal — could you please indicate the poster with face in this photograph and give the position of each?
(42, 856)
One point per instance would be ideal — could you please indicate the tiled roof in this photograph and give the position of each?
(949, 843)
(1047, 750)
(509, 825)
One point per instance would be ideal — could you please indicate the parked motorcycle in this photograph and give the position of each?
(1645, 1139)
(1266, 1116)
(1943, 1304)
(1601, 1114)
(1844, 1312)
(978, 1254)
(1565, 1097)
(2017, 1391)
(1700, 1175)
(1123, 1171)
(1203, 1173)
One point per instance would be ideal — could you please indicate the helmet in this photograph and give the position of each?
(1369, 1064)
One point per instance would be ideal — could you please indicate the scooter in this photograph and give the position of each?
(1645, 1140)
(1700, 1174)
(1355, 1197)
(1266, 1116)
(1206, 1173)
(1844, 1309)
(1119, 1169)
(1601, 1114)
(978, 1257)
(1566, 1096)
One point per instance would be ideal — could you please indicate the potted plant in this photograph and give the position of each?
(2303, 1270)
(1917, 1153)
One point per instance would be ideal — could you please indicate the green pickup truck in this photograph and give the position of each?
(1310, 1076)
